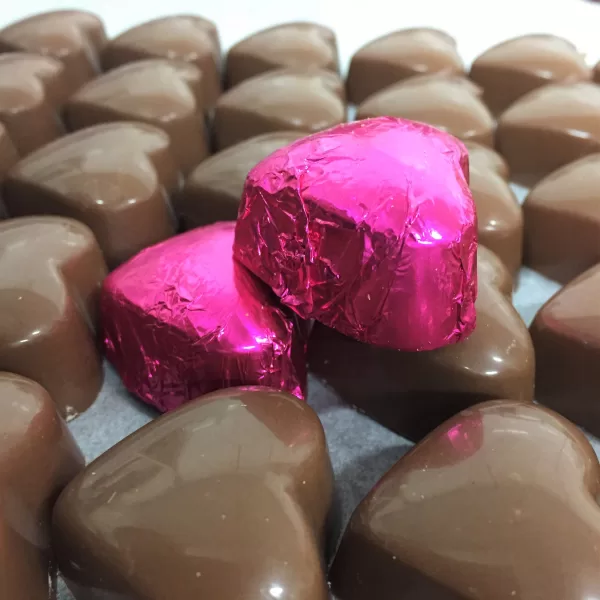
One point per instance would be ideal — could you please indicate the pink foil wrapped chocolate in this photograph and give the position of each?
(369, 228)
(182, 318)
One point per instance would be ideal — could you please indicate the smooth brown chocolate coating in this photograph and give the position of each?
(158, 92)
(566, 336)
(509, 70)
(38, 457)
(115, 178)
(280, 100)
(180, 37)
(224, 498)
(448, 102)
(562, 221)
(297, 45)
(32, 90)
(72, 36)
(213, 191)
(597, 73)
(486, 159)
(51, 270)
(398, 56)
(548, 128)
(413, 392)
(498, 502)
(499, 217)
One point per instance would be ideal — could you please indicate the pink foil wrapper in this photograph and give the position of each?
(369, 228)
(182, 319)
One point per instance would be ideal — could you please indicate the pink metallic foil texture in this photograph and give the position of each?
(182, 318)
(369, 228)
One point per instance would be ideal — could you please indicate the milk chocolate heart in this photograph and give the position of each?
(225, 498)
(484, 158)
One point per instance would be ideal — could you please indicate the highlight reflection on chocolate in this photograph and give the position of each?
(566, 336)
(74, 37)
(213, 190)
(115, 178)
(448, 102)
(51, 270)
(158, 92)
(225, 498)
(38, 457)
(509, 70)
(475, 511)
(484, 158)
(299, 45)
(548, 128)
(400, 55)
(280, 100)
(562, 221)
(185, 38)
(413, 392)
(33, 89)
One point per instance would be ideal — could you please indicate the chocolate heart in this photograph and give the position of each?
(225, 498)
(115, 178)
(498, 502)
(484, 158)
(400, 55)
(279, 100)
(180, 37)
(51, 269)
(298, 45)
(38, 457)
(158, 92)
(413, 392)
(509, 70)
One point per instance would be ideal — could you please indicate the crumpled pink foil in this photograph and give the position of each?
(369, 228)
(182, 318)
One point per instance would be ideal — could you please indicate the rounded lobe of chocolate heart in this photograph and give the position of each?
(566, 336)
(562, 221)
(484, 158)
(73, 36)
(51, 270)
(279, 100)
(38, 457)
(158, 92)
(509, 70)
(225, 498)
(549, 128)
(475, 511)
(448, 102)
(413, 392)
(184, 38)
(499, 217)
(115, 178)
(213, 190)
(398, 56)
(300, 45)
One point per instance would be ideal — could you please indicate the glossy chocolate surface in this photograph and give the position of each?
(224, 498)
(566, 336)
(158, 92)
(413, 392)
(297, 45)
(115, 178)
(499, 217)
(51, 270)
(548, 128)
(448, 102)
(398, 56)
(38, 457)
(499, 502)
(484, 158)
(562, 221)
(73, 36)
(279, 100)
(509, 70)
(179, 37)
(31, 93)
(213, 190)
